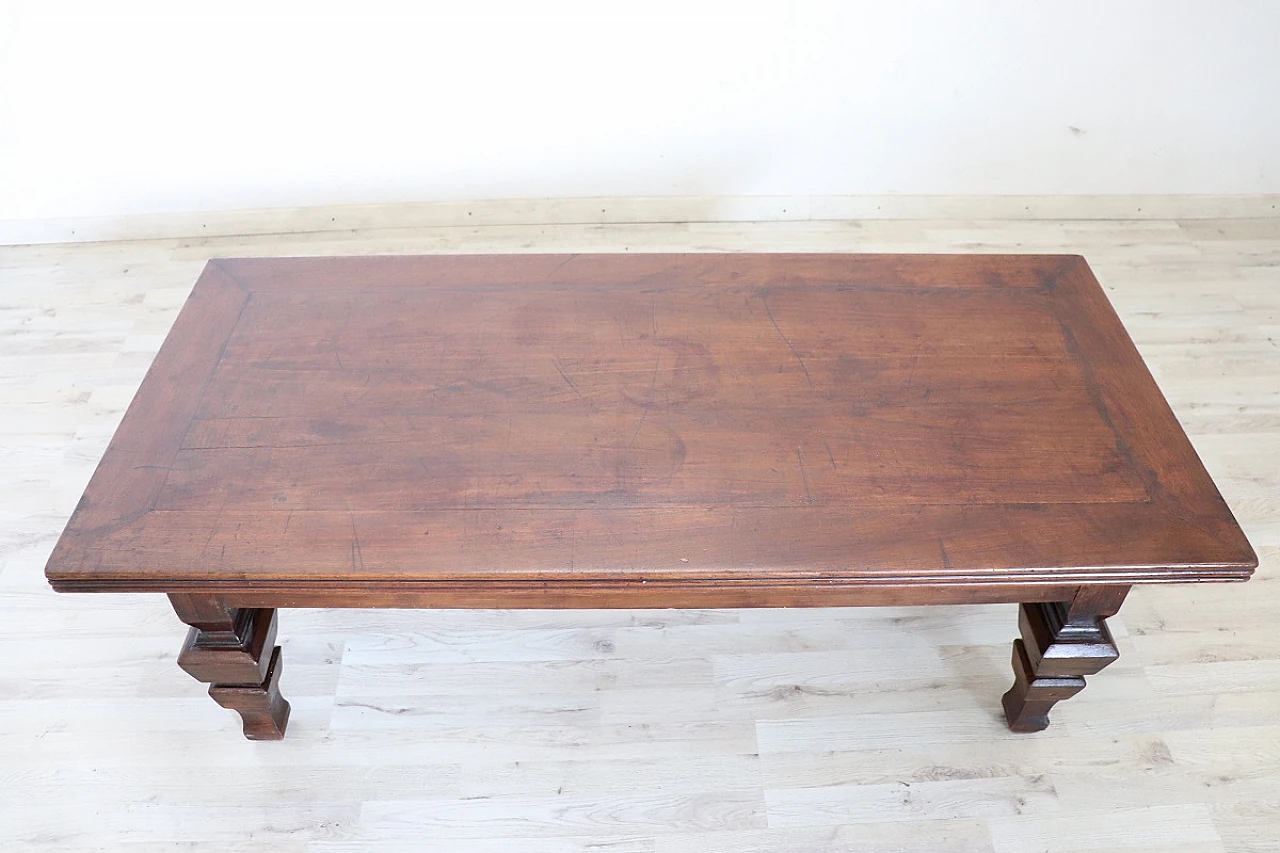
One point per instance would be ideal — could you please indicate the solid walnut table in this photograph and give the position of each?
(647, 431)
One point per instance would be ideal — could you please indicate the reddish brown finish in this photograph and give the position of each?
(1061, 643)
(264, 713)
(234, 651)
(654, 430)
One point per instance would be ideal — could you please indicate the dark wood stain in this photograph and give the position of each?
(651, 430)
(657, 408)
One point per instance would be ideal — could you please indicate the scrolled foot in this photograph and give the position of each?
(263, 711)
(1061, 643)
(233, 650)
(1027, 704)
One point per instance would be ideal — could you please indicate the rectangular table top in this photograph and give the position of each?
(932, 419)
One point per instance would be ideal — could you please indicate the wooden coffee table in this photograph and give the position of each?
(647, 431)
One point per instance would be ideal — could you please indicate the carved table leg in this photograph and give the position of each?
(232, 650)
(1061, 643)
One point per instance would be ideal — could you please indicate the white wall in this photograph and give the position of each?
(139, 108)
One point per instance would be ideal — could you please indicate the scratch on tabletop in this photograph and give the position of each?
(653, 383)
(565, 376)
(357, 552)
(561, 265)
(217, 521)
(804, 477)
(764, 297)
(915, 363)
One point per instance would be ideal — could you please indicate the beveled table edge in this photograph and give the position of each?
(224, 287)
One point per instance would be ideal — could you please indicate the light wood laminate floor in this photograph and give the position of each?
(645, 731)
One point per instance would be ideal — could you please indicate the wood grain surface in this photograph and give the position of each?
(565, 427)
(645, 731)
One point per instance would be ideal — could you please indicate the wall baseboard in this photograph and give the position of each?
(621, 211)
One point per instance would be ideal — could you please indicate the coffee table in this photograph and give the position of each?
(647, 431)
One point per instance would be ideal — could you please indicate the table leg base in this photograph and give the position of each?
(233, 650)
(263, 711)
(1060, 645)
(1027, 704)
